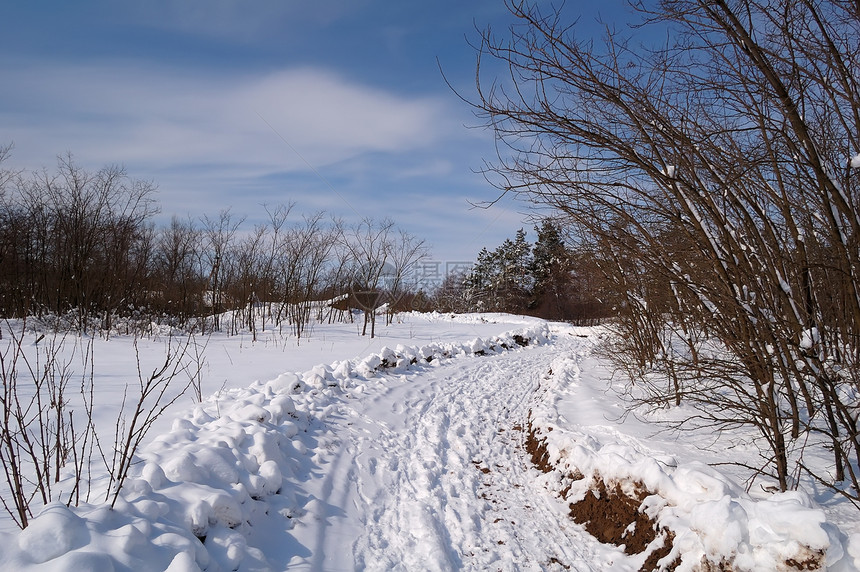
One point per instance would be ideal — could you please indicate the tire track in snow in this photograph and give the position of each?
(431, 475)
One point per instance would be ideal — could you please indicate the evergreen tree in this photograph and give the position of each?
(516, 280)
(478, 284)
(538, 280)
(551, 269)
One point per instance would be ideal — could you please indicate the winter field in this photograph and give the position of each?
(448, 442)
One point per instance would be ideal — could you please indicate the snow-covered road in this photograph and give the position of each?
(430, 473)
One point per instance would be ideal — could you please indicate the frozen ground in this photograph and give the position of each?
(409, 453)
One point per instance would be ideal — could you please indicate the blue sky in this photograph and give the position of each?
(338, 105)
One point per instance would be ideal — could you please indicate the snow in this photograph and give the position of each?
(808, 338)
(407, 453)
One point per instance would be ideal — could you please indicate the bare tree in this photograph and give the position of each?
(80, 248)
(6, 175)
(369, 245)
(407, 252)
(178, 276)
(219, 234)
(272, 288)
(75, 241)
(315, 244)
(250, 263)
(714, 178)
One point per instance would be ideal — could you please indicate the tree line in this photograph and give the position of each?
(546, 279)
(82, 248)
(713, 175)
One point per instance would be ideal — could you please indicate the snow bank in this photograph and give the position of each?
(713, 520)
(221, 490)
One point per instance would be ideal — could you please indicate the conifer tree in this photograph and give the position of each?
(551, 271)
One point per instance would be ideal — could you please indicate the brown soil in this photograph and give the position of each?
(609, 514)
(613, 517)
(812, 560)
(521, 340)
(537, 449)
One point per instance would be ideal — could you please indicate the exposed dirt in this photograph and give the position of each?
(611, 515)
(521, 340)
(537, 449)
(812, 560)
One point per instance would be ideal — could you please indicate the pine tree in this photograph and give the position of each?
(551, 269)
(515, 280)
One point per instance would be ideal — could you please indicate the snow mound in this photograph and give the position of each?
(57, 531)
(712, 521)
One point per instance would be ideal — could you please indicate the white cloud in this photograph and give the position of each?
(165, 119)
(226, 141)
